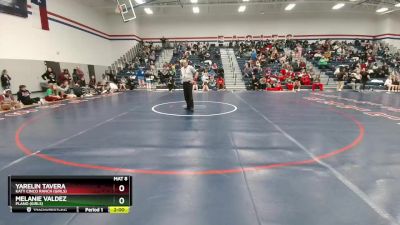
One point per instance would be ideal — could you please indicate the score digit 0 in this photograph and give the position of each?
(121, 200)
(121, 188)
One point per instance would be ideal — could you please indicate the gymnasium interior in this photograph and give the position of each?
(296, 115)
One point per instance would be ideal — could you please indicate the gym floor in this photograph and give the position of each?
(242, 158)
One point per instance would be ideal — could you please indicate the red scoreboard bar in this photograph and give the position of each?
(74, 194)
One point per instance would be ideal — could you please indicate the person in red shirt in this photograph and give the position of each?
(64, 76)
(220, 83)
(303, 65)
(283, 72)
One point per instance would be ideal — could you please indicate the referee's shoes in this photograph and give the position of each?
(189, 109)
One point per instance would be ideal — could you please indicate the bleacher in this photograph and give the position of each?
(374, 83)
(274, 67)
(196, 62)
(125, 71)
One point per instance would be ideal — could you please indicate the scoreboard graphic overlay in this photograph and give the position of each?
(70, 194)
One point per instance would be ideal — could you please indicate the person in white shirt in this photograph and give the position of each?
(205, 78)
(189, 76)
(388, 84)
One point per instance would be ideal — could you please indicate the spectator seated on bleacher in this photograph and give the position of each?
(207, 56)
(208, 62)
(276, 87)
(317, 56)
(247, 70)
(254, 83)
(212, 83)
(297, 81)
(263, 83)
(220, 83)
(305, 79)
(171, 83)
(296, 66)
(323, 63)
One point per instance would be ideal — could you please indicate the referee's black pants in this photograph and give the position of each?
(188, 92)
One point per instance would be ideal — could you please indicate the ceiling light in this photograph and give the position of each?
(194, 1)
(139, 1)
(196, 9)
(382, 10)
(338, 6)
(290, 6)
(242, 8)
(397, 5)
(148, 11)
(246, 0)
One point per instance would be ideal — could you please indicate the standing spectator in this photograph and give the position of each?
(24, 96)
(214, 67)
(79, 73)
(205, 78)
(5, 80)
(64, 76)
(148, 77)
(92, 82)
(82, 82)
(364, 78)
(340, 79)
(247, 70)
(195, 84)
(163, 42)
(152, 56)
(140, 77)
(49, 76)
(253, 56)
(75, 77)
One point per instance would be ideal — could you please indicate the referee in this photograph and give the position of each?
(189, 76)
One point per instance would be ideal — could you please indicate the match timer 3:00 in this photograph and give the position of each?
(75, 194)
